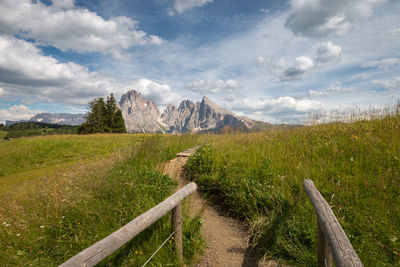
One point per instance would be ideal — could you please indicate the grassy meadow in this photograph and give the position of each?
(61, 194)
(258, 177)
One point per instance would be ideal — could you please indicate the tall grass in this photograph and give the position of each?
(54, 218)
(3, 134)
(355, 166)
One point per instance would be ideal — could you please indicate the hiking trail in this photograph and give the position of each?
(227, 239)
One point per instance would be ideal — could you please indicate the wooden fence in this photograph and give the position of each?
(332, 240)
(105, 247)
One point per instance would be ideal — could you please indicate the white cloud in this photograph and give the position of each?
(319, 18)
(17, 112)
(362, 76)
(299, 68)
(213, 86)
(25, 71)
(68, 27)
(1, 91)
(161, 94)
(62, 4)
(383, 63)
(331, 90)
(184, 5)
(275, 106)
(284, 109)
(327, 52)
(388, 84)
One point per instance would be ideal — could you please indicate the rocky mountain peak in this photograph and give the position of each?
(140, 115)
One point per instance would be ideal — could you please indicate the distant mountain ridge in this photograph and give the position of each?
(54, 118)
(143, 115)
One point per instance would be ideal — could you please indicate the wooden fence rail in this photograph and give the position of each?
(332, 240)
(105, 247)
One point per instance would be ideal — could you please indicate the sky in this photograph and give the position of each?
(275, 61)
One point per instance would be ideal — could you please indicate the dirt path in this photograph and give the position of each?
(226, 238)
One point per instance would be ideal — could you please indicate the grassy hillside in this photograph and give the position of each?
(355, 166)
(81, 189)
(26, 154)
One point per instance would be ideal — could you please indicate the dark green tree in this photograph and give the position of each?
(119, 123)
(103, 117)
(110, 113)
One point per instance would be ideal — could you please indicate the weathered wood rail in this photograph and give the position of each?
(105, 247)
(332, 240)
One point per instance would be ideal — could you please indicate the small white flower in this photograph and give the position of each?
(4, 223)
(62, 217)
(18, 235)
(42, 227)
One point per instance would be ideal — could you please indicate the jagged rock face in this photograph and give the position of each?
(140, 115)
(170, 115)
(202, 116)
(59, 118)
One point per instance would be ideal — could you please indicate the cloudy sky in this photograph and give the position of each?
(275, 61)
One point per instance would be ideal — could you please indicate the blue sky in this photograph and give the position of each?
(276, 61)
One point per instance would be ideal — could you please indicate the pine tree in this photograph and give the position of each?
(110, 112)
(103, 117)
(119, 123)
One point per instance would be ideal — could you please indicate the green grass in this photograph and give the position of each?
(31, 153)
(2, 135)
(355, 166)
(54, 217)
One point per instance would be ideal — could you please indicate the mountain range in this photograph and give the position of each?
(142, 115)
(54, 118)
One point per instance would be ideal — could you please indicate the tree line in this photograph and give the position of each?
(103, 117)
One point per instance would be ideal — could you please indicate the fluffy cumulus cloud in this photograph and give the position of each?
(383, 63)
(213, 86)
(299, 68)
(25, 71)
(319, 18)
(17, 112)
(67, 27)
(326, 54)
(393, 84)
(184, 5)
(161, 94)
(332, 89)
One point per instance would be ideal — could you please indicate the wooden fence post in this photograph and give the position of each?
(177, 228)
(331, 237)
(105, 247)
(324, 252)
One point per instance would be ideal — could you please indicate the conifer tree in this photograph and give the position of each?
(103, 117)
